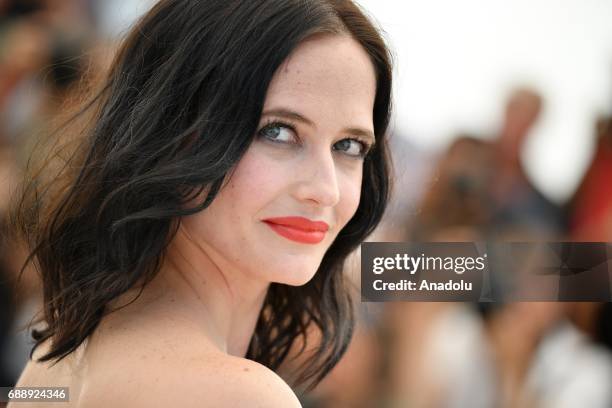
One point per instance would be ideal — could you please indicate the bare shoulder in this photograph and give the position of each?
(241, 382)
(218, 382)
(166, 362)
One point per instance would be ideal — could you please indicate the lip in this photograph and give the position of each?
(298, 229)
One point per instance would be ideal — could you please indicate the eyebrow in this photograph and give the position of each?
(289, 114)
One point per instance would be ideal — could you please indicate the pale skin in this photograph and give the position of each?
(183, 341)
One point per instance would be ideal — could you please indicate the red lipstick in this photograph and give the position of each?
(298, 229)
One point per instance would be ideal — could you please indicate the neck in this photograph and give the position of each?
(212, 293)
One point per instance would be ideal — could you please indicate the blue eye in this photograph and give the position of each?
(278, 132)
(352, 147)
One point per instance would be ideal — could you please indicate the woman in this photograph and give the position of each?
(236, 156)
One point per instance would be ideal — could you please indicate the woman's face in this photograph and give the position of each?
(299, 183)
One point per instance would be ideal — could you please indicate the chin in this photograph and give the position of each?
(299, 282)
(292, 269)
(295, 277)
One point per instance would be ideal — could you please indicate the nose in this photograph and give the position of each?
(318, 180)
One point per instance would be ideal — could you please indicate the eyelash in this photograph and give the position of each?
(366, 146)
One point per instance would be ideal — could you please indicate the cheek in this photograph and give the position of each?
(255, 180)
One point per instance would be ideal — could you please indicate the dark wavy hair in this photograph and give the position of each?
(177, 111)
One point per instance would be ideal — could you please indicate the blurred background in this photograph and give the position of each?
(502, 131)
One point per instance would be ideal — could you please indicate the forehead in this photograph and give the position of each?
(326, 72)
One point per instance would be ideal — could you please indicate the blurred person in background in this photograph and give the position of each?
(518, 207)
(590, 208)
(456, 202)
(482, 185)
(42, 58)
